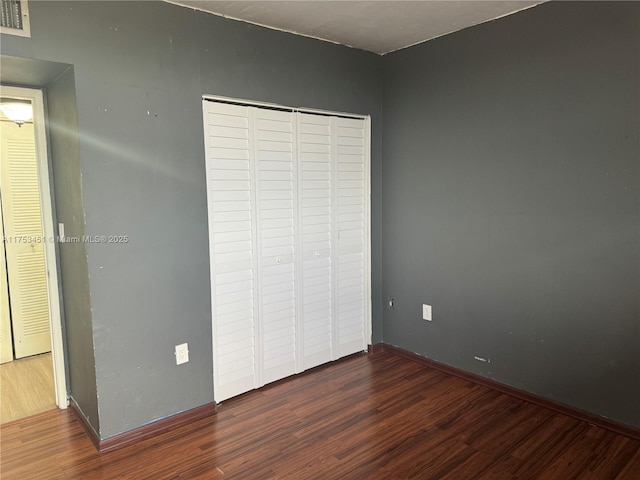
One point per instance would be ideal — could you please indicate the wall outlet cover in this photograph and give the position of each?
(182, 353)
(426, 312)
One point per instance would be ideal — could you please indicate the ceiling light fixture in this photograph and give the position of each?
(18, 111)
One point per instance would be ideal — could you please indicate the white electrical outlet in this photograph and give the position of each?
(426, 312)
(182, 353)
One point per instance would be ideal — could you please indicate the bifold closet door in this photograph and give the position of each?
(251, 188)
(231, 205)
(287, 200)
(276, 186)
(316, 165)
(332, 153)
(351, 172)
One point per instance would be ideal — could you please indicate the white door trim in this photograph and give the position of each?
(50, 238)
(367, 242)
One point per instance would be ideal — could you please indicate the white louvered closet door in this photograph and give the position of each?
(231, 206)
(315, 164)
(289, 241)
(276, 213)
(352, 246)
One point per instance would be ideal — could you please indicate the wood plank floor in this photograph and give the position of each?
(367, 417)
(26, 387)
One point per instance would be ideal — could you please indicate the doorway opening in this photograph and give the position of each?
(31, 351)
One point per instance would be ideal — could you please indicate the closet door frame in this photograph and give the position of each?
(367, 196)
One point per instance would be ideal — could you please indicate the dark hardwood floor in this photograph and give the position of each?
(366, 417)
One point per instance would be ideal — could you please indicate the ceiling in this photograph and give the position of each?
(377, 26)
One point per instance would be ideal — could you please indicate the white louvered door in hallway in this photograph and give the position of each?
(288, 200)
(25, 246)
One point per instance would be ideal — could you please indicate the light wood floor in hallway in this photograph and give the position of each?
(26, 387)
(368, 417)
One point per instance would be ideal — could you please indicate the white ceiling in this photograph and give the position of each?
(380, 26)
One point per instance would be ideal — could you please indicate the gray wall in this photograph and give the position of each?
(140, 72)
(511, 184)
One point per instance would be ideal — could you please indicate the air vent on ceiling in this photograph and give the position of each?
(14, 16)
